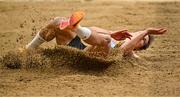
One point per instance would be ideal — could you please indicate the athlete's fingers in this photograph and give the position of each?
(159, 29)
(126, 36)
(124, 30)
(127, 33)
(119, 34)
(163, 31)
(129, 37)
(121, 31)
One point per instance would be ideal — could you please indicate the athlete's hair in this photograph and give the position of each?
(151, 39)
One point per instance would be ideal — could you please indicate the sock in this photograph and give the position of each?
(83, 32)
(38, 40)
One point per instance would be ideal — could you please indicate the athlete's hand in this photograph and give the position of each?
(120, 35)
(156, 31)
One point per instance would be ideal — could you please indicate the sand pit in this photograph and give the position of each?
(64, 71)
(41, 59)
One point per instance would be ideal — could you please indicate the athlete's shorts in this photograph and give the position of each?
(119, 43)
(77, 43)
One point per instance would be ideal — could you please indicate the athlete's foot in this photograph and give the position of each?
(73, 22)
(120, 35)
(156, 31)
(76, 18)
(64, 24)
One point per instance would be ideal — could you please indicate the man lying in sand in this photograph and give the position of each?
(68, 31)
(63, 29)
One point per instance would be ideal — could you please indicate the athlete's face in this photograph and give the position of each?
(142, 43)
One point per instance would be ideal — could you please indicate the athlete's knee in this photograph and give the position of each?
(54, 23)
(107, 40)
(47, 34)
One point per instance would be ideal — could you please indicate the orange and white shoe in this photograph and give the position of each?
(64, 23)
(73, 21)
(76, 18)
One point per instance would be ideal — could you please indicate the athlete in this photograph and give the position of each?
(68, 31)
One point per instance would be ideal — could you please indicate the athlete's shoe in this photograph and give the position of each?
(64, 23)
(76, 18)
(73, 21)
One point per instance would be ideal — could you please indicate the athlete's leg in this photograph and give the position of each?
(101, 37)
(100, 42)
(91, 37)
(45, 34)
